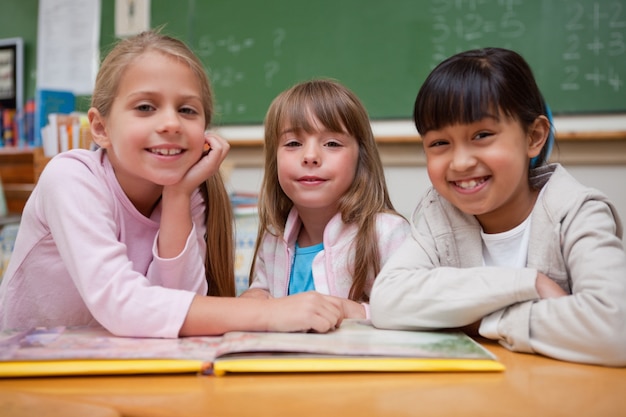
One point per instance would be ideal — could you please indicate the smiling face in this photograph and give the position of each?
(482, 169)
(154, 131)
(316, 168)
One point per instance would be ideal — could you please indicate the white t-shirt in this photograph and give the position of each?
(508, 249)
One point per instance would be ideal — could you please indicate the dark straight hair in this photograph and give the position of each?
(474, 84)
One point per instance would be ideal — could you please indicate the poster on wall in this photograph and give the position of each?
(11, 78)
(68, 39)
(7, 73)
(131, 17)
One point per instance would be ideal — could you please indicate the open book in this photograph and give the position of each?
(355, 347)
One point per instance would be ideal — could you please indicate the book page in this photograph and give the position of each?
(355, 346)
(97, 343)
(358, 338)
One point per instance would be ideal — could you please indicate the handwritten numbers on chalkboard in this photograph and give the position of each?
(572, 48)
(461, 25)
(511, 26)
(575, 12)
(279, 37)
(586, 26)
(577, 48)
(614, 80)
(571, 75)
(226, 76)
(271, 69)
(383, 50)
(228, 56)
(617, 44)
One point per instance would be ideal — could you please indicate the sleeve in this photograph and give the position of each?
(87, 235)
(187, 270)
(392, 232)
(259, 275)
(413, 290)
(589, 325)
(489, 325)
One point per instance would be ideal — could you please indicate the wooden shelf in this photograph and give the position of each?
(19, 171)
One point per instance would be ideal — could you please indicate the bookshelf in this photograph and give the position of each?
(19, 170)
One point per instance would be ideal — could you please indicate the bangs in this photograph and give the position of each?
(300, 110)
(462, 93)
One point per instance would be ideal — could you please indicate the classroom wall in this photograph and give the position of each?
(406, 178)
(406, 183)
(584, 149)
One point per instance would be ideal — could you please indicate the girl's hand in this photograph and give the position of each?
(176, 223)
(548, 288)
(308, 311)
(208, 165)
(352, 309)
(256, 293)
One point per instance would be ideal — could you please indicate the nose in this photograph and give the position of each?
(462, 159)
(169, 121)
(311, 156)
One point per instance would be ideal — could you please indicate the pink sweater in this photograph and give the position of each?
(85, 255)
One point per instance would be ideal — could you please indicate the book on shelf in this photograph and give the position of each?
(355, 346)
(65, 132)
(48, 102)
(8, 127)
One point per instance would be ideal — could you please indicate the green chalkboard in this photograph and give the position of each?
(383, 50)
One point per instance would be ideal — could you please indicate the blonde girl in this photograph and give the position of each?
(137, 235)
(326, 220)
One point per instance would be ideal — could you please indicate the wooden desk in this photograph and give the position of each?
(531, 386)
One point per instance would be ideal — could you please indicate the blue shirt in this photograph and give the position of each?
(301, 278)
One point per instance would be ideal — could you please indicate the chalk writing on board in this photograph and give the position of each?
(589, 40)
(467, 24)
(279, 37)
(583, 28)
(232, 50)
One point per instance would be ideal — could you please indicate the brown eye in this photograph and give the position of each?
(437, 143)
(144, 107)
(188, 110)
(482, 135)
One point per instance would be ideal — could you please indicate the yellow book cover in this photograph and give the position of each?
(354, 347)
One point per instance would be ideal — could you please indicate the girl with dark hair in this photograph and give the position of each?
(504, 243)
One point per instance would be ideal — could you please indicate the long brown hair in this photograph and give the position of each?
(219, 257)
(337, 109)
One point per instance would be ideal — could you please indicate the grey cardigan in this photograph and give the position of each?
(437, 278)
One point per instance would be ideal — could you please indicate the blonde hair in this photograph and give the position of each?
(219, 257)
(337, 109)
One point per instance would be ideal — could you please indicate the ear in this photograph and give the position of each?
(538, 134)
(97, 125)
